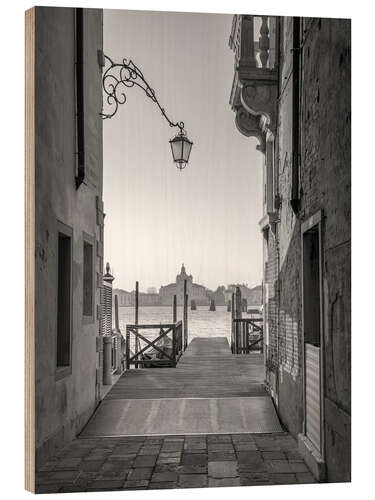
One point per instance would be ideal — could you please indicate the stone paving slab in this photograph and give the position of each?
(164, 462)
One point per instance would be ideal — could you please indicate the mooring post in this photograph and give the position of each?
(238, 316)
(136, 302)
(174, 308)
(136, 320)
(185, 315)
(117, 324)
(117, 339)
(234, 347)
(174, 344)
(127, 349)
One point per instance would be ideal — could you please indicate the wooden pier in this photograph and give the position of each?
(210, 391)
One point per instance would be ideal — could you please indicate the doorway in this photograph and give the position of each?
(312, 331)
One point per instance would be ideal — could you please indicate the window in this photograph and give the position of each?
(311, 286)
(64, 296)
(88, 279)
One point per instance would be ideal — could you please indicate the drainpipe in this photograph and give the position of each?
(295, 198)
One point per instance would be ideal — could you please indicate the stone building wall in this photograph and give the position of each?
(299, 110)
(288, 334)
(65, 401)
(324, 185)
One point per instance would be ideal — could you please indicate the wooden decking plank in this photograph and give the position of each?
(206, 369)
(210, 391)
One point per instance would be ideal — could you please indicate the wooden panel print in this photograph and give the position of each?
(172, 163)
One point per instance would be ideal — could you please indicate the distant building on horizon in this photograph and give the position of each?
(196, 292)
(218, 296)
(124, 297)
(128, 298)
(199, 293)
(252, 295)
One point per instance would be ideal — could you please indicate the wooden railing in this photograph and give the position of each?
(247, 335)
(164, 349)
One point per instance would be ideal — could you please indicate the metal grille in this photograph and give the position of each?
(107, 308)
(312, 360)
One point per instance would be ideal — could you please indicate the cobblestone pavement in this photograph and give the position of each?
(157, 462)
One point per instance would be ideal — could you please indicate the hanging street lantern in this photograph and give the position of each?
(181, 147)
(118, 78)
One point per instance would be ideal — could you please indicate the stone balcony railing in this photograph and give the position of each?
(255, 85)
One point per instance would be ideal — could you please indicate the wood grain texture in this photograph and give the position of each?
(30, 250)
(211, 391)
(207, 369)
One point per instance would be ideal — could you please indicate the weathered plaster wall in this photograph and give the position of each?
(63, 406)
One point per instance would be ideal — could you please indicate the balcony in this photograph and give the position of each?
(255, 85)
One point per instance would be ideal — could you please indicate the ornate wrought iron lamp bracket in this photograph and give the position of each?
(121, 76)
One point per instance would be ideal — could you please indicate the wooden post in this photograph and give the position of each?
(238, 306)
(247, 338)
(117, 339)
(174, 308)
(136, 302)
(233, 326)
(244, 338)
(174, 342)
(127, 349)
(185, 315)
(136, 320)
(238, 303)
(117, 325)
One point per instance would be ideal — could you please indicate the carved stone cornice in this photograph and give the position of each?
(259, 97)
(249, 125)
(268, 221)
(255, 87)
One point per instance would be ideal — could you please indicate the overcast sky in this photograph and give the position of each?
(157, 217)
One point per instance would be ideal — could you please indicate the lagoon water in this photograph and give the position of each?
(201, 323)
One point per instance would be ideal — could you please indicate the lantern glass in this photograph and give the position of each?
(186, 149)
(176, 145)
(181, 148)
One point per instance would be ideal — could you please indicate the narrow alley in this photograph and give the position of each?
(207, 422)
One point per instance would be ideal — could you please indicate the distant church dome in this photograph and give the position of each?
(182, 276)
